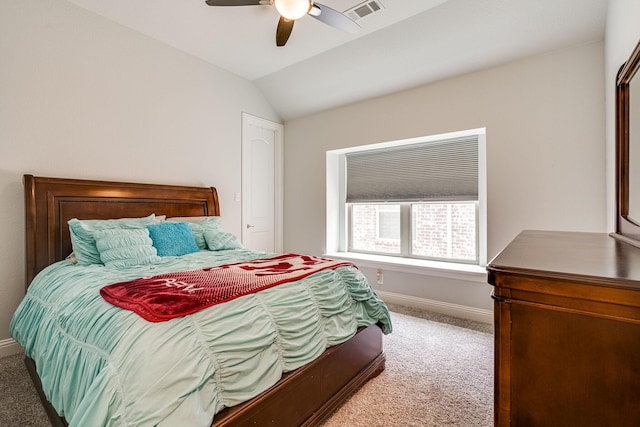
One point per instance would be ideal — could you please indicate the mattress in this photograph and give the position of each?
(103, 365)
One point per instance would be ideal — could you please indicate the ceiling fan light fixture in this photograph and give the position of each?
(292, 9)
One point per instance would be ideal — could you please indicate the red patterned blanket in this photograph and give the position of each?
(166, 296)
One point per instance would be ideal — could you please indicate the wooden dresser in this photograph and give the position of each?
(567, 322)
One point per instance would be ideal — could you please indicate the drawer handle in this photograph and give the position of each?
(497, 298)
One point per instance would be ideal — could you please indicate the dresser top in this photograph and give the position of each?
(581, 257)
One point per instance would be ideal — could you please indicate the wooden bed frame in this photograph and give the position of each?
(304, 397)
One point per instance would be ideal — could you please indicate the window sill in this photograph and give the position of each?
(468, 272)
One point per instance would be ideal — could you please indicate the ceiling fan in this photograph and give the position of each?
(290, 10)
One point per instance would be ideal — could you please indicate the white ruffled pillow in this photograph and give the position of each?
(220, 240)
(83, 241)
(120, 247)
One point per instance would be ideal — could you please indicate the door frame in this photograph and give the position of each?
(278, 169)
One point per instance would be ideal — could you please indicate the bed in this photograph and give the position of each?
(305, 395)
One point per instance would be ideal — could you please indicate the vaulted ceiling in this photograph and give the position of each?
(405, 44)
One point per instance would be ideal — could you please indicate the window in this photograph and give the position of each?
(375, 228)
(422, 198)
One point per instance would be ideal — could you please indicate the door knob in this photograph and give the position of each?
(249, 226)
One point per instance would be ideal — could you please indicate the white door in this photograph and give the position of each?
(262, 142)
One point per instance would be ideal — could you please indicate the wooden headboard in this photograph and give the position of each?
(51, 202)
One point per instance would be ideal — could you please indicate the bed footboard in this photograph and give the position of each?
(307, 396)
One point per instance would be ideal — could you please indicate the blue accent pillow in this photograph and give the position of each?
(199, 224)
(173, 238)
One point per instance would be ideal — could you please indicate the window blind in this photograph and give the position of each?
(445, 170)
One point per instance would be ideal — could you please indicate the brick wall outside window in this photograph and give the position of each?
(440, 230)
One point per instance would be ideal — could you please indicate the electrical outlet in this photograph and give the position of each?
(379, 277)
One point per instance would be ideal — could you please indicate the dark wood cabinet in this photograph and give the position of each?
(567, 330)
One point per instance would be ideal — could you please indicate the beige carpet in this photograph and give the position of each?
(439, 372)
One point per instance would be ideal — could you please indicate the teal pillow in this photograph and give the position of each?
(220, 240)
(173, 238)
(121, 247)
(198, 225)
(83, 242)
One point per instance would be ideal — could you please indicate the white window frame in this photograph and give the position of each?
(337, 211)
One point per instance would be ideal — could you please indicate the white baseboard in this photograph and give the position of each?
(456, 310)
(9, 347)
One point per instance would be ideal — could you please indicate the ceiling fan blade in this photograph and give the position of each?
(285, 26)
(334, 18)
(234, 2)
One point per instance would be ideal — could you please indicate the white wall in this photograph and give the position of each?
(83, 97)
(545, 148)
(622, 36)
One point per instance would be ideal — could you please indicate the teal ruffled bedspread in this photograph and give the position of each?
(102, 365)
